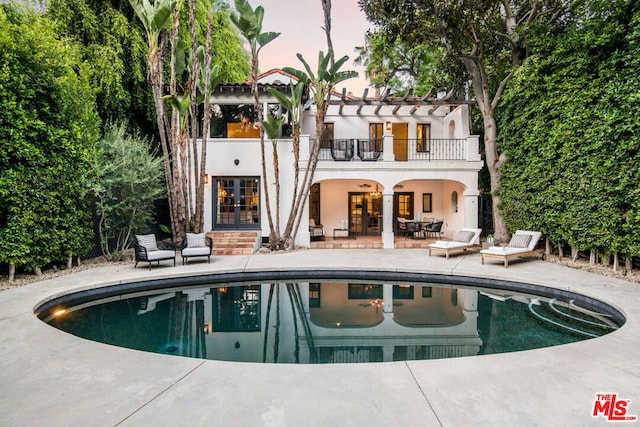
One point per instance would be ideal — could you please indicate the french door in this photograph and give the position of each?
(365, 214)
(236, 202)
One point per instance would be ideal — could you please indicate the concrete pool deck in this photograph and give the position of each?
(53, 378)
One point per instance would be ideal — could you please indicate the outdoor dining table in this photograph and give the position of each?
(419, 230)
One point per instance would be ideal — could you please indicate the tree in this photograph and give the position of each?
(569, 128)
(397, 67)
(178, 130)
(249, 22)
(296, 108)
(48, 124)
(204, 83)
(272, 126)
(156, 19)
(112, 45)
(489, 37)
(326, 11)
(321, 86)
(128, 180)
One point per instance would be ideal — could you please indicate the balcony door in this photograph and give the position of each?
(400, 141)
(236, 202)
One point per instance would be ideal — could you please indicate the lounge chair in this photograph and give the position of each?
(523, 243)
(196, 245)
(467, 238)
(146, 250)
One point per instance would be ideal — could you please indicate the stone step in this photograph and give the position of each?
(233, 242)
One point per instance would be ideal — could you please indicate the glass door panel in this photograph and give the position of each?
(374, 215)
(355, 212)
(248, 200)
(225, 212)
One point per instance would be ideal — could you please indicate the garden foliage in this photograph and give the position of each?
(570, 127)
(128, 181)
(47, 127)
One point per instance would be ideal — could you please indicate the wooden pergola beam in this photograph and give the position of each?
(363, 101)
(382, 100)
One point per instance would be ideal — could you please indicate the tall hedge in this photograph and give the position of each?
(570, 126)
(47, 127)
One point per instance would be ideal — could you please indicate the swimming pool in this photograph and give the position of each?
(330, 316)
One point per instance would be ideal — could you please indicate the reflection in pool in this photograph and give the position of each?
(331, 322)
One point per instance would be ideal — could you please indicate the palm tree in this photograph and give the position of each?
(272, 126)
(184, 164)
(156, 18)
(209, 78)
(296, 109)
(321, 86)
(249, 23)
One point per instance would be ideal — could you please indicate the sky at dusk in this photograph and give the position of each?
(300, 23)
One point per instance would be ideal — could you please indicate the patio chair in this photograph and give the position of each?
(402, 226)
(368, 150)
(467, 238)
(434, 228)
(342, 149)
(523, 243)
(414, 230)
(194, 245)
(316, 230)
(146, 250)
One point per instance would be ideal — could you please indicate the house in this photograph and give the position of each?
(381, 158)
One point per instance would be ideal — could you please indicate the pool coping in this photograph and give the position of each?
(63, 380)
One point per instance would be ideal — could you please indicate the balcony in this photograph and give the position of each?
(372, 150)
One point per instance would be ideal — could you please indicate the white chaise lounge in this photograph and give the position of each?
(523, 243)
(467, 238)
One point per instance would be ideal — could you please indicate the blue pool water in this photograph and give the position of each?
(330, 319)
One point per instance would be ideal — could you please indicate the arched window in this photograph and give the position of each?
(454, 201)
(452, 129)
